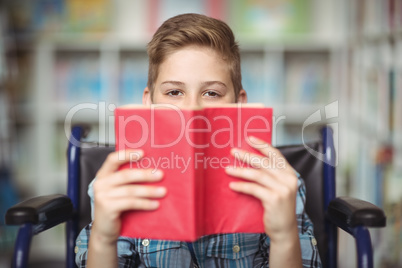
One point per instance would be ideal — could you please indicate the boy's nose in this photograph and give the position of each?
(193, 102)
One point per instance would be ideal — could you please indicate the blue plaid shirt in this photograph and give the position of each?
(221, 250)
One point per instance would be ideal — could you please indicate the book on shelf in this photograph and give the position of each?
(78, 78)
(192, 148)
(133, 77)
(277, 18)
(88, 16)
(161, 10)
(61, 16)
(262, 81)
(376, 19)
(307, 79)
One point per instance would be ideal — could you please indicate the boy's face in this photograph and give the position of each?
(191, 77)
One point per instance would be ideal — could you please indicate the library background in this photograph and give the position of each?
(298, 56)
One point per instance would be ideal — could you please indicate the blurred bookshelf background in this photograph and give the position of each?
(75, 59)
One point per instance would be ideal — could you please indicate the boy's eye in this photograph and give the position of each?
(212, 94)
(174, 93)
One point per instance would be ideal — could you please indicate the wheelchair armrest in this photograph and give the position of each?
(349, 212)
(42, 211)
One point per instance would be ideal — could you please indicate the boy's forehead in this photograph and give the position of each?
(195, 57)
(191, 49)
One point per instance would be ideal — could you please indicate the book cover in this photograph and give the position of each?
(192, 148)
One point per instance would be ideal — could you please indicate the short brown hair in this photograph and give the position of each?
(194, 29)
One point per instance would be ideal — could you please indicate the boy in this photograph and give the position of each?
(194, 61)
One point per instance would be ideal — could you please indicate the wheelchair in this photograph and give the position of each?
(326, 211)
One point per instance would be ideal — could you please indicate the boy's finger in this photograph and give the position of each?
(273, 162)
(116, 159)
(128, 176)
(254, 175)
(251, 189)
(262, 146)
(134, 203)
(140, 191)
(252, 159)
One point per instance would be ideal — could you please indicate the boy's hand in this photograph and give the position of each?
(272, 180)
(116, 192)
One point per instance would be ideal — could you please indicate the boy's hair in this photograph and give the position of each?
(194, 29)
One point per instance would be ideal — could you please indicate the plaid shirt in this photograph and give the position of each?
(221, 250)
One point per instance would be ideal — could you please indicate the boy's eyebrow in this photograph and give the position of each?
(209, 83)
(204, 84)
(175, 83)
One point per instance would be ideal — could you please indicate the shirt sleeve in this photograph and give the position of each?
(81, 243)
(125, 249)
(308, 243)
(81, 247)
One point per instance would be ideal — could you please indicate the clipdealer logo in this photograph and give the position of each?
(106, 133)
(201, 161)
(331, 111)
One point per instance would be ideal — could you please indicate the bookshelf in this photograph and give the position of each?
(373, 137)
(81, 70)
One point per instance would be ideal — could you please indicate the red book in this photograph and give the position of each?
(192, 148)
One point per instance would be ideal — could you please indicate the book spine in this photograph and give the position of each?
(199, 179)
